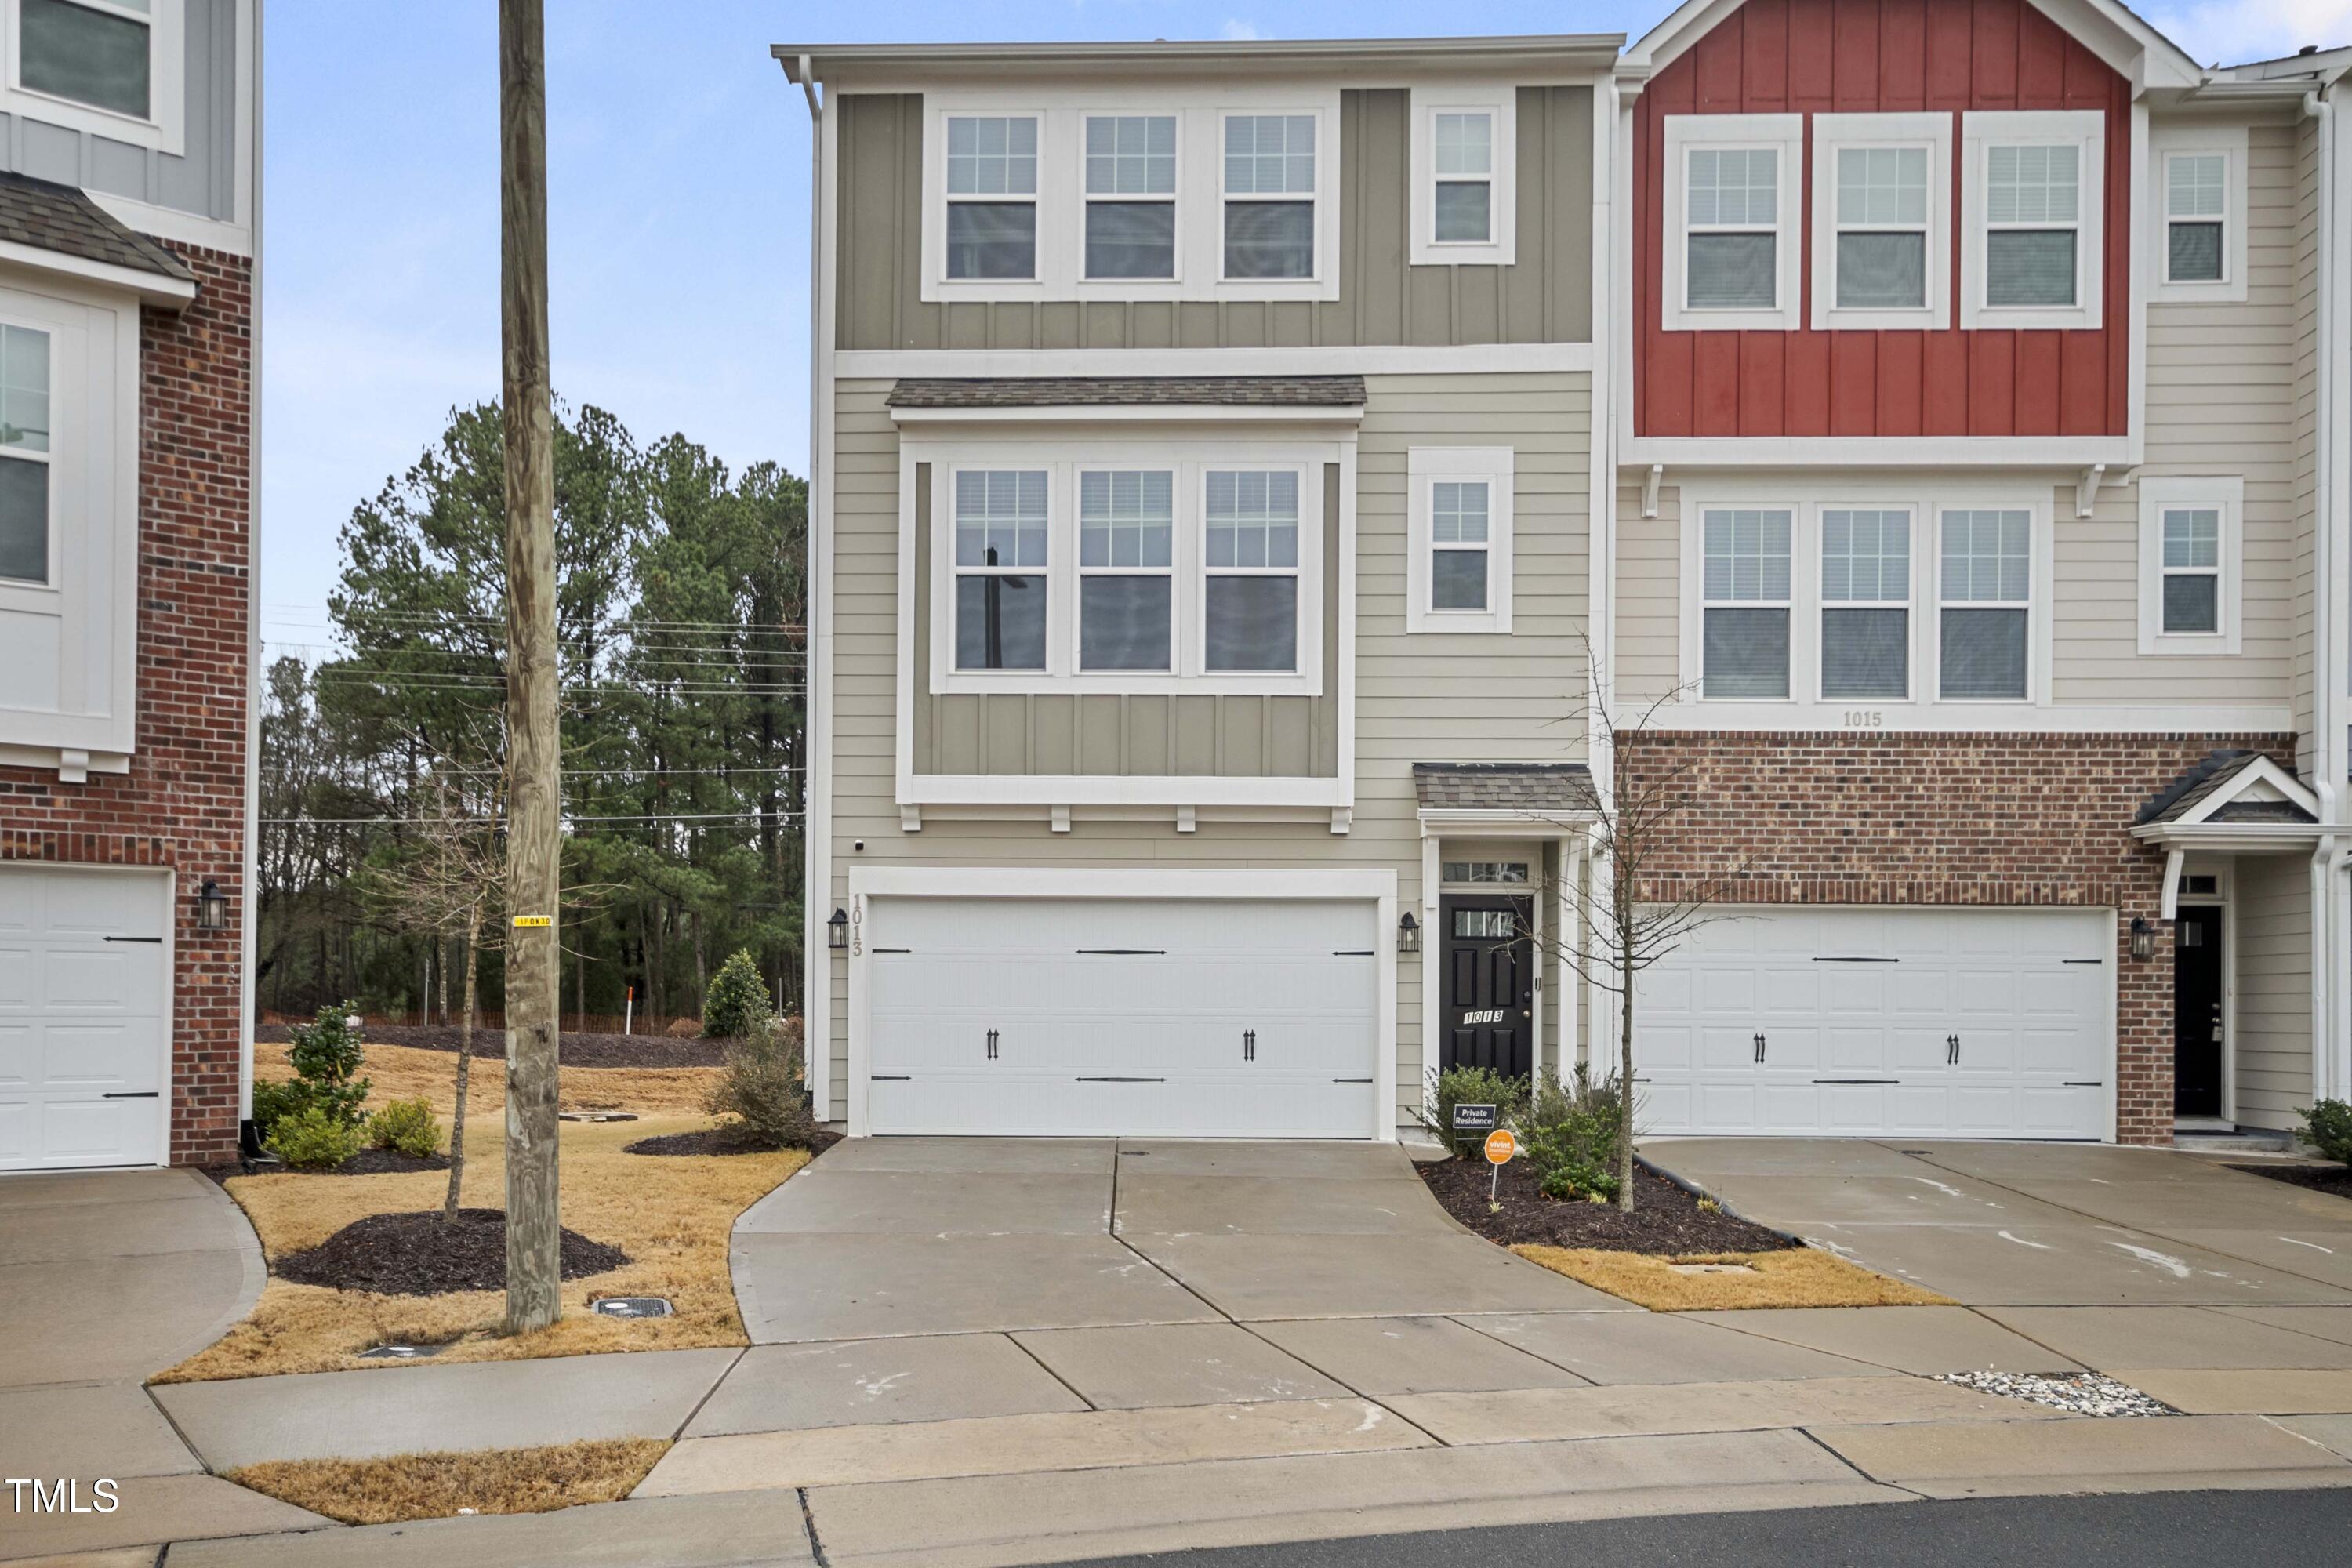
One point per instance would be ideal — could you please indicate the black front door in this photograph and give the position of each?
(2196, 1012)
(1490, 988)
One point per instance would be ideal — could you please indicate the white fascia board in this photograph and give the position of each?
(2073, 453)
(152, 287)
(1396, 359)
(1501, 823)
(1134, 413)
(1124, 882)
(1104, 789)
(2257, 837)
(2276, 781)
(1972, 718)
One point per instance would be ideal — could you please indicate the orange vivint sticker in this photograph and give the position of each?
(1501, 1146)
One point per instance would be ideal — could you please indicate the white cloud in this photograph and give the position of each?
(1241, 32)
(2231, 32)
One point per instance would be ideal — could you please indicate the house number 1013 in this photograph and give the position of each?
(1864, 719)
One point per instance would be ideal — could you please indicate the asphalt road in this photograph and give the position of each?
(2191, 1530)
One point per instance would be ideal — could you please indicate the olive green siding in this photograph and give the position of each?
(1546, 297)
(1419, 697)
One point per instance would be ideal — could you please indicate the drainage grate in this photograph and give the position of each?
(399, 1353)
(597, 1115)
(632, 1307)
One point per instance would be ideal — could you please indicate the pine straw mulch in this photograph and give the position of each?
(1797, 1276)
(671, 1218)
(577, 1050)
(423, 1254)
(1666, 1218)
(410, 1072)
(728, 1139)
(438, 1485)
(2336, 1180)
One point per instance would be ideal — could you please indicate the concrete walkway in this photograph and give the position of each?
(105, 1277)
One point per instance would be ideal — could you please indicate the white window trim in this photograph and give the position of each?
(1797, 678)
(2227, 494)
(1189, 461)
(1500, 102)
(165, 128)
(1834, 133)
(92, 591)
(2035, 604)
(1425, 466)
(1822, 603)
(1925, 498)
(1687, 132)
(2085, 129)
(2168, 142)
(936, 153)
(1200, 114)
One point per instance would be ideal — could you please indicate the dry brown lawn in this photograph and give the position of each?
(1802, 1276)
(670, 1214)
(438, 1485)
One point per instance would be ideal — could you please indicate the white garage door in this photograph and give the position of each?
(82, 1035)
(1854, 1021)
(1212, 1018)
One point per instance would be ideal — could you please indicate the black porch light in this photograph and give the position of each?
(1408, 933)
(2143, 937)
(212, 907)
(836, 931)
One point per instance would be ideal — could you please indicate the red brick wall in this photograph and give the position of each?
(1840, 819)
(181, 804)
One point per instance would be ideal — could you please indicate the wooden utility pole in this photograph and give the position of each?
(534, 874)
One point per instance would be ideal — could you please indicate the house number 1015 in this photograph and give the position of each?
(1864, 719)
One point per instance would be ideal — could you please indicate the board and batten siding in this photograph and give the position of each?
(1419, 698)
(1545, 297)
(2271, 904)
(200, 181)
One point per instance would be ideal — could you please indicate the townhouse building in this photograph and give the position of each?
(130, 166)
(1242, 472)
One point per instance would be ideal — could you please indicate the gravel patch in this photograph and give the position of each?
(2081, 1392)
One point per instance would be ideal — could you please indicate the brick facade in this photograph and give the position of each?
(1944, 819)
(181, 804)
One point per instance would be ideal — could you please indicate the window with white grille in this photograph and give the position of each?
(1866, 603)
(2035, 190)
(1986, 588)
(1745, 594)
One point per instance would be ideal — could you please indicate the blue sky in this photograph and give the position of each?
(678, 201)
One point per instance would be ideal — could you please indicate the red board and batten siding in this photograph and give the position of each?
(1783, 57)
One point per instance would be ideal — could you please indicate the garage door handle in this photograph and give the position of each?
(991, 1045)
(1952, 1050)
(1760, 1048)
(1352, 1081)
(1249, 1045)
(2088, 1083)
(1122, 1080)
(133, 1094)
(154, 939)
(1122, 952)
(1859, 1081)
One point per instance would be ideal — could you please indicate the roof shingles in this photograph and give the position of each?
(1536, 788)
(1128, 391)
(50, 217)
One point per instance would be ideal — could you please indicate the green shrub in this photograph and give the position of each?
(407, 1127)
(1472, 1086)
(2328, 1125)
(1571, 1129)
(313, 1140)
(326, 1060)
(275, 1101)
(760, 1092)
(737, 1000)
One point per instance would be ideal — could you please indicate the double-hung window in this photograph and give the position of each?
(1130, 196)
(24, 454)
(2191, 555)
(1461, 151)
(2198, 231)
(992, 191)
(1127, 532)
(1745, 608)
(2035, 191)
(1866, 603)
(2192, 570)
(1882, 223)
(2195, 202)
(1987, 591)
(1733, 194)
(1882, 228)
(1458, 513)
(1250, 599)
(95, 52)
(1463, 164)
(1001, 517)
(1458, 539)
(1269, 195)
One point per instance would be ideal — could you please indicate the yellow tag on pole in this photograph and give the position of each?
(522, 922)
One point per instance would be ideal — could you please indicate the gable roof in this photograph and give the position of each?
(2230, 787)
(2113, 31)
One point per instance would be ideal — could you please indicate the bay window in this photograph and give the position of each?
(1988, 598)
(1251, 599)
(1126, 565)
(1000, 568)
(1746, 603)
(1865, 603)
(992, 191)
(1269, 195)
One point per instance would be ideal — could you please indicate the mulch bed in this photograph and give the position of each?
(716, 1140)
(418, 1254)
(1665, 1219)
(578, 1050)
(383, 1162)
(2334, 1179)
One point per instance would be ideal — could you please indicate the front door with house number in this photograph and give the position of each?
(2196, 1011)
(1490, 989)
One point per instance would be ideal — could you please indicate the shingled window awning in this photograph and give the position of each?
(58, 228)
(1127, 396)
(1535, 790)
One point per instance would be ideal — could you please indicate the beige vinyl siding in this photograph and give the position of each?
(2272, 905)
(1649, 592)
(1418, 697)
(1545, 297)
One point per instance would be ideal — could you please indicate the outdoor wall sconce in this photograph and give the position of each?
(212, 907)
(836, 931)
(1408, 933)
(2143, 937)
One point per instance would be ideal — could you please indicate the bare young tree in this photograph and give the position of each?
(1642, 896)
